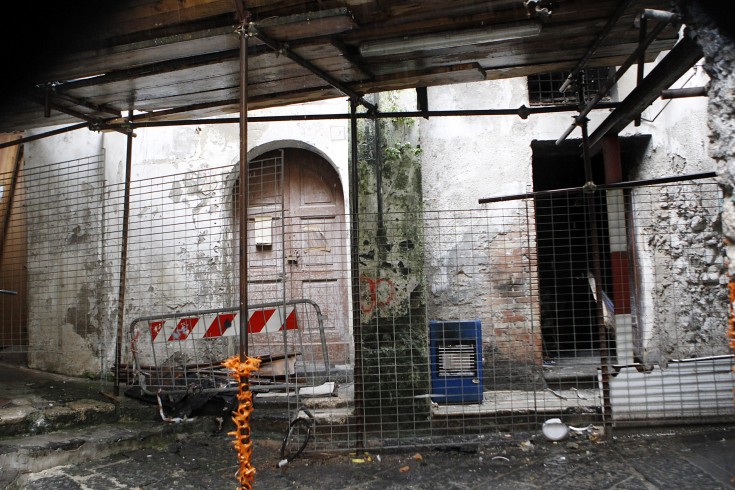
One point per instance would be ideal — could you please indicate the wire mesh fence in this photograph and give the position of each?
(604, 308)
(53, 257)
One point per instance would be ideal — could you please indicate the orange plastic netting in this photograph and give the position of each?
(241, 417)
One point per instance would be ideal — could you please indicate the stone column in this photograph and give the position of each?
(392, 284)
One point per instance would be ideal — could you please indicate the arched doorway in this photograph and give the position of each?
(297, 238)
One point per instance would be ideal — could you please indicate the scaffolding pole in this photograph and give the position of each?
(123, 260)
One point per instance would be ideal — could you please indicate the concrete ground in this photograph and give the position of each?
(74, 437)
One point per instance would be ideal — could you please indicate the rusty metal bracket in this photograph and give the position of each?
(612, 81)
(46, 99)
(682, 57)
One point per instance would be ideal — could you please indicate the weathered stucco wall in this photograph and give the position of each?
(69, 315)
(79, 282)
(479, 265)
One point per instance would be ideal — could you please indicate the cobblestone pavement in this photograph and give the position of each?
(701, 458)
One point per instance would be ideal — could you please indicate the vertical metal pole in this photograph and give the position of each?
(382, 239)
(591, 205)
(123, 258)
(243, 197)
(355, 274)
(643, 27)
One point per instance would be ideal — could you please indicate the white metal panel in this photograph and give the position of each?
(685, 388)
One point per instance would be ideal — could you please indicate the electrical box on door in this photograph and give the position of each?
(455, 351)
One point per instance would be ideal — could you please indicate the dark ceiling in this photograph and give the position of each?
(82, 61)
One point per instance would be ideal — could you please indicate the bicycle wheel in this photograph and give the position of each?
(296, 439)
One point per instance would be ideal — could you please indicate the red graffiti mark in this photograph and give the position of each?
(378, 292)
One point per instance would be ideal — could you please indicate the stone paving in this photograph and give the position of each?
(68, 441)
(701, 458)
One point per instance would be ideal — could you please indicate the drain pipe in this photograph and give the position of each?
(642, 31)
(680, 93)
(382, 238)
(244, 182)
(659, 15)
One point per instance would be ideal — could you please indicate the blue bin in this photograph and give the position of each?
(455, 350)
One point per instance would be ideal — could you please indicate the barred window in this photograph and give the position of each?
(543, 88)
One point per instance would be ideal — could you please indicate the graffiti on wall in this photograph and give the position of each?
(375, 293)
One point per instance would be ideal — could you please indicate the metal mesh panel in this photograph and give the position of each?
(523, 270)
(54, 256)
(682, 368)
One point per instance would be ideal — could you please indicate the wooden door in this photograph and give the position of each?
(317, 259)
(298, 246)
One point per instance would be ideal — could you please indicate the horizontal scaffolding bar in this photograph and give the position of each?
(680, 93)
(603, 187)
(39, 136)
(522, 112)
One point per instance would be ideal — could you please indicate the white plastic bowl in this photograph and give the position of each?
(555, 429)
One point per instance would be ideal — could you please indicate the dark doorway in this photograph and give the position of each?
(565, 253)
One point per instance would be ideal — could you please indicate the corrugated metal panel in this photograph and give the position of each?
(688, 388)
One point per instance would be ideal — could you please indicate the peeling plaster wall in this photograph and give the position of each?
(713, 27)
(684, 279)
(62, 295)
(68, 311)
(687, 266)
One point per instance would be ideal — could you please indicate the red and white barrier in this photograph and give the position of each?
(222, 325)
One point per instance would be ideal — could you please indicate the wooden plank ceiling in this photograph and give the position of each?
(172, 59)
